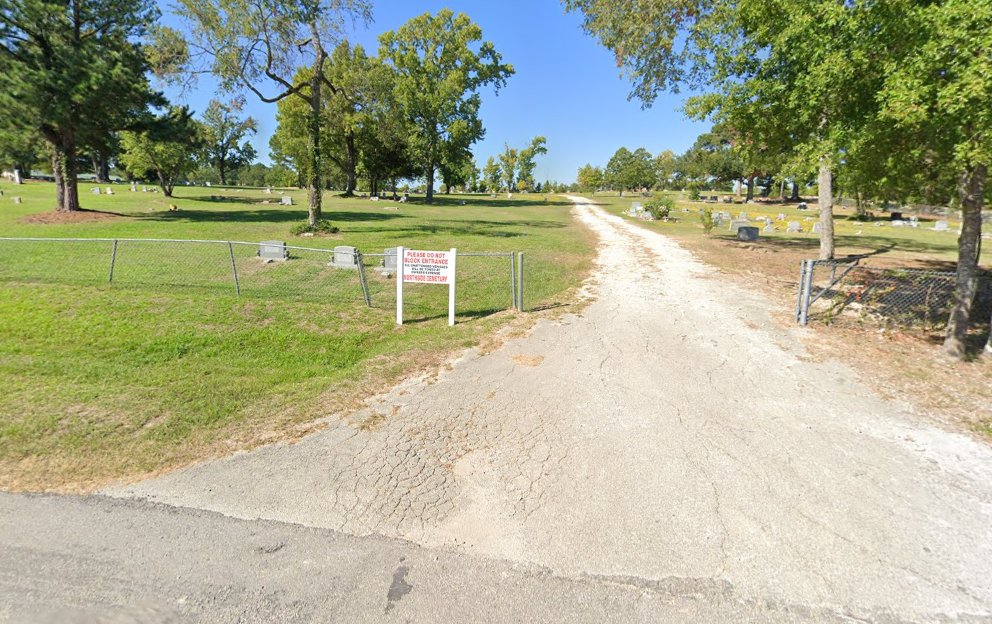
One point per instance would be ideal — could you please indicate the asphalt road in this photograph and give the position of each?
(669, 454)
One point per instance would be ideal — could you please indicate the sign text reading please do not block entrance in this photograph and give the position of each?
(425, 267)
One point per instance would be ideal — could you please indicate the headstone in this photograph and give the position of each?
(110, 191)
(374, 198)
(286, 200)
(817, 227)
(268, 190)
(898, 223)
(273, 250)
(389, 261)
(940, 226)
(134, 187)
(768, 228)
(737, 224)
(344, 257)
(144, 189)
(747, 234)
(17, 176)
(742, 215)
(802, 206)
(403, 199)
(895, 216)
(794, 227)
(17, 200)
(207, 184)
(95, 190)
(781, 216)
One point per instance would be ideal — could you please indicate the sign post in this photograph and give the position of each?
(425, 267)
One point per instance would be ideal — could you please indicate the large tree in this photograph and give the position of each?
(72, 71)
(224, 134)
(259, 46)
(589, 178)
(526, 162)
(167, 150)
(441, 63)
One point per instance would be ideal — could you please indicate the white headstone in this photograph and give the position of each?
(17, 200)
(110, 191)
(737, 224)
(96, 190)
(389, 261)
(941, 226)
(286, 200)
(134, 187)
(17, 176)
(268, 190)
(273, 250)
(794, 227)
(768, 228)
(817, 228)
(781, 216)
(344, 257)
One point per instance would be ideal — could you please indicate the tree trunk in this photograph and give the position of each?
(971, 189)
(795, 191)
(740, 187)
(59, 181)
(781, 190)
(313, 175)
(65, 159)
(826, 201)
(430, 183)
(351, 164)
(222, 171)
(163, 183)
(750, 189)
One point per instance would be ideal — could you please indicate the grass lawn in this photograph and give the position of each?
(114, 381)
(898, 364)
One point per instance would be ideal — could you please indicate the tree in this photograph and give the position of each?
(259, 46)
(589, 179)
(627, 170)
(71, 72)
(937, 90)
(491, 175)
(526, 164)
(224, 132)
(167, 149)
(508, 167)
(441, 62)
(664, 169)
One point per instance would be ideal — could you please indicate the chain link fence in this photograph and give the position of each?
(836, 290)
(486, 282)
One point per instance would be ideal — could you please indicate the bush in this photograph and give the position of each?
(694, 194)
(660, 207)
(322, 227)
(706, 218)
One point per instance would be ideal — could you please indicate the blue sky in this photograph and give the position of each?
(566, 87)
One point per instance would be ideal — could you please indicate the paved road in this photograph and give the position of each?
(670, 436)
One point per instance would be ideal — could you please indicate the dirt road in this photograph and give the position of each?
(669, 434)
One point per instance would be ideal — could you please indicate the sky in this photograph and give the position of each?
(566, 87)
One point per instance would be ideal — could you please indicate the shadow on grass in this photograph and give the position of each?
(264, 215)
(879, 244)
(480, 202)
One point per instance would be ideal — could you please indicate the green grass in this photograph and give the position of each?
(167, 365)
(897, 246)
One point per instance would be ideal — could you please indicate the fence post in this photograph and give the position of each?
(113, 261)
(807, 291)
(513, 281)
(234, 267)
(361, 277)
(520, 281)
(802, 287)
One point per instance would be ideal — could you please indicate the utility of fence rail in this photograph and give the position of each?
(487, 282)
(837, 290)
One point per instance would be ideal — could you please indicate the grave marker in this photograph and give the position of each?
(747, 234)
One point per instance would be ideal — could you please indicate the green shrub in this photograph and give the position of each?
(660, 207)
(706, 218)
(322, 227)
(694, 194)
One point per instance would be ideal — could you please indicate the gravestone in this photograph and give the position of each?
(110, 191)
(941, 226)
(17, 176)
(737, 224)
(898, 223)
(134, 187)
(17, 200)
(374, 198)
(344, 257)
(144, 189)
(95, 190)
(781, 217)
(768, 228)
(742, 215)
(794, 227)
(268, 190)
(273, 250)
(286, 200)
(389, 261)
(895, 216)
(817, 228)
(747, 234)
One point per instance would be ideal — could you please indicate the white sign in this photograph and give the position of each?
(425, 267)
